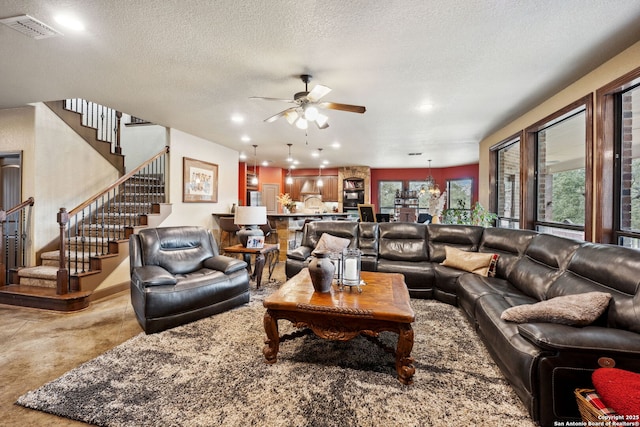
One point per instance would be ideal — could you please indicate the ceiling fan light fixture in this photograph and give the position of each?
(322, 121)
(311, 113)
(301, 123)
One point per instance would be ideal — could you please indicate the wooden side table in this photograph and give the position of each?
(270, 252)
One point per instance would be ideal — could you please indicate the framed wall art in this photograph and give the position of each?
(367, 212)
(200, 181)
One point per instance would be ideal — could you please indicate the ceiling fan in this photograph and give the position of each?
(307, 105)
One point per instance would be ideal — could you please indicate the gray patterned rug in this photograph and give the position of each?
(212, 372)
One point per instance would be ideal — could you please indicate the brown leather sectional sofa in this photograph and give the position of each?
(544, 362)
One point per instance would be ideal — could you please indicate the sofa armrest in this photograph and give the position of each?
(225, 264)
(558, 337)
(152, 275)
(300, 253)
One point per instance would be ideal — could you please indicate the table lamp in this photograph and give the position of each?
(250, 218)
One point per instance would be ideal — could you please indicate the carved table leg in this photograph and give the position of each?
(272, 342)
(257, 269)
(404, 363)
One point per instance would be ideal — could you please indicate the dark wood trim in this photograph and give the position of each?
(604, 156)
(528, 179)
(529, 158)
(45, 298)
(493, 167)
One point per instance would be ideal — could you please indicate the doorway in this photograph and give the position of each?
(270, 197)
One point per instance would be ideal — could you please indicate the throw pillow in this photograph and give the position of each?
(480, 263)
(577, 310)
(619, 389)
(329, 243)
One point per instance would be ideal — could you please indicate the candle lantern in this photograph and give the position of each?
(351, 267)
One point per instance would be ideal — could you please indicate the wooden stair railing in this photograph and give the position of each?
(109, 215)
(13, 232)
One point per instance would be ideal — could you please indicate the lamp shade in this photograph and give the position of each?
(251, 215)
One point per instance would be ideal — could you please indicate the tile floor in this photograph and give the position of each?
(37, 346)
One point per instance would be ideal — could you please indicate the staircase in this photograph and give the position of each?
(94, 249)
(93, 242)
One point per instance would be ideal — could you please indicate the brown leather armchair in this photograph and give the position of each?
(178, 276)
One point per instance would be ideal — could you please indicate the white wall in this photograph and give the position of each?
(66, 170)
(141, 142)
(185, 145)
(17, 134)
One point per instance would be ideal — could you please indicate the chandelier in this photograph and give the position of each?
(431, 186)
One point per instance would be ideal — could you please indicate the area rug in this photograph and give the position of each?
(212, 373)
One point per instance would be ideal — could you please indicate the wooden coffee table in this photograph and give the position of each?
(383, 305)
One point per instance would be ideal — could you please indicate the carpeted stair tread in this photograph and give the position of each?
(47, 272)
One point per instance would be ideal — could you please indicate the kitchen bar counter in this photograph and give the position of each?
(286, 225)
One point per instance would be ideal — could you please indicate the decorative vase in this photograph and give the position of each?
(321, 270)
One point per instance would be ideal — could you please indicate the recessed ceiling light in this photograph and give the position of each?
(243, 156)
(336, 144)
(325, 162)
(315, 154)
(70, 22)
(296, 162)
(265, 163)
(237, 118)
(245, 138)
(425, 107)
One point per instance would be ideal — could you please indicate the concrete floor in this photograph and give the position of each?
(38, 346)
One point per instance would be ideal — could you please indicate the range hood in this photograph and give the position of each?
(309, 187)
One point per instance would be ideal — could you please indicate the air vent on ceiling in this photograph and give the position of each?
(415, 154)
(30, 26)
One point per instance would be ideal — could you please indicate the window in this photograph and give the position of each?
(627, 168)
(387, 195)
(419, 187)
(560, 175)
(507, 183)
(459, 193)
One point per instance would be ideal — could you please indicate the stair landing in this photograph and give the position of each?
(40, 297)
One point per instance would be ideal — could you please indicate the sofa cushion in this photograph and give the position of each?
(510, 244)
(465, 237)
(314, 230)
(605, 268)
(403, 241)
(543, 261)
(474, 262)
(176, 249)
(329, 243)
(579, 310)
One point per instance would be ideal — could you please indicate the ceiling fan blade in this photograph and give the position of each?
(342, 107)
(280, 114)
(272, 99)
(291, 115)
(318, 92)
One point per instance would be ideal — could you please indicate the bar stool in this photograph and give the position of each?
(227, 225)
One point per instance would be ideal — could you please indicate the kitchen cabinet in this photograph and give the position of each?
(306, 185)
(329, 190)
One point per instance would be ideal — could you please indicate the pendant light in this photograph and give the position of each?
(289, 179)
(289, 158)
(254, 180)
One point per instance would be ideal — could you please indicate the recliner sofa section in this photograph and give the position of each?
(544, 361)
(178, 276)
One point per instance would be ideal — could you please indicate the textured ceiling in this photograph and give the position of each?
(192, 64)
